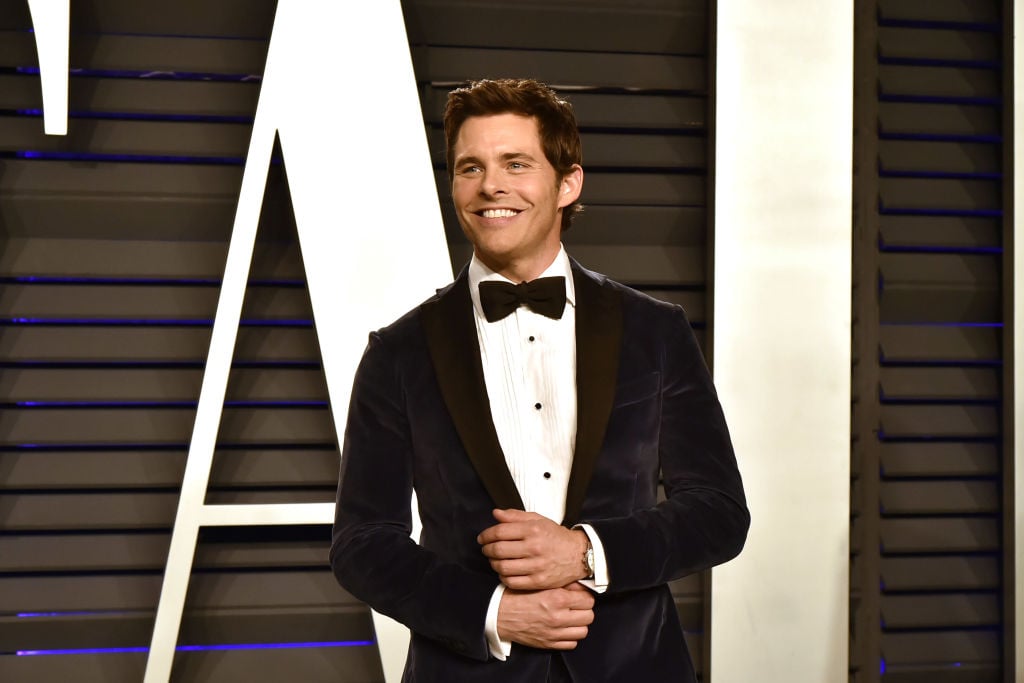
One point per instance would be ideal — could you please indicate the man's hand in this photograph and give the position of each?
(530, 552)
(553, 619)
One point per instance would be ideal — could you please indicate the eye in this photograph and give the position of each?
(517, 165)
(466, 170)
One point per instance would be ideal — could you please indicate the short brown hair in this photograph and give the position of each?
(556, 121)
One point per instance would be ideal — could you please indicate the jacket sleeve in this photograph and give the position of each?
(372, 554)
(703, 520)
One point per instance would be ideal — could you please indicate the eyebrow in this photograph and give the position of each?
(507, 156)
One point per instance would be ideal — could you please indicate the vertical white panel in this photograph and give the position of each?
(782, 333)
(1018, 339)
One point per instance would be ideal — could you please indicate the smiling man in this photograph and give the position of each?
(533, 406)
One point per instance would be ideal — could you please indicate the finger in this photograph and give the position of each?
(523, 582)
(501, 532)
(504, 550)
(513, 568)
(573, 633)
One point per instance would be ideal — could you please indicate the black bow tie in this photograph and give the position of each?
(544, 295)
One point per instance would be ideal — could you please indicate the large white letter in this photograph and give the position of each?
(339, 90)
(50, 19)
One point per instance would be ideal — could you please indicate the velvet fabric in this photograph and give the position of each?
(419, 419)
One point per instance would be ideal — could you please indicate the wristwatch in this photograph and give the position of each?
(588, 560)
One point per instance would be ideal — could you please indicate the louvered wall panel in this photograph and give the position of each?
(114, 239)
(927, 572)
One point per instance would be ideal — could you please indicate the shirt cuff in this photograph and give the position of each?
(500, 649)
(599, 582)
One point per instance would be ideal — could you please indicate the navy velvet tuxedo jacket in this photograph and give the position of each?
(419, 419)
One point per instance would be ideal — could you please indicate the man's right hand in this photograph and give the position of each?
(553, 619)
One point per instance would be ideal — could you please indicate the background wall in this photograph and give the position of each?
(112, 245)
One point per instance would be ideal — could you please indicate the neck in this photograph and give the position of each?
(523, 270)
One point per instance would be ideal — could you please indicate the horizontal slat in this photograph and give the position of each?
(140, 259)
(117, 181)
(940, 535)
(945, 421)
(114, 511)
(131, 301)
(938, 44)
(953, 271)
(242, 548)
(170, 385)
(939, 344)
(939, 459)
(163, 469)
(236, 18)
(933, 118)
(966, 11)
(951, 232)
(607, 110)
(948, 647)
(959, 672)
(940, 383)
(216, 590)
(185, 139)
(659, 27)
(587, 69)
(161, 344)
(939, 194)
(939, 497)
(256, 625)
(939, 81)
(135, 96)
(145, 53)
(336, 664)
(162, 426)
(909, 156)
(940, 573)
(943, 610)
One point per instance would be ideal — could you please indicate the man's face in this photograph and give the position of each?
(507, 195)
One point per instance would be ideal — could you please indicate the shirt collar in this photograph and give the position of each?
(478, 272)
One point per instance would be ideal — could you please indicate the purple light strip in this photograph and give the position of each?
(196, 648)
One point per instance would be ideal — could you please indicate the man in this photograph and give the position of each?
(533, 423)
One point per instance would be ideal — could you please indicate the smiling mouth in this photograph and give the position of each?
(498, 213)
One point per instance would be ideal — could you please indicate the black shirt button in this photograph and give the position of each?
(537, 406)
(547, 475)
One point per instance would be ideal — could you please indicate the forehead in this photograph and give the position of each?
(498, 133)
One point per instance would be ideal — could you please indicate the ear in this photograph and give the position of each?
(570, 187)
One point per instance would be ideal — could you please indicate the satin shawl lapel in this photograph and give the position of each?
(455, 351)
(598, 345)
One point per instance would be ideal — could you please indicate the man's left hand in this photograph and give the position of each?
(530, 552)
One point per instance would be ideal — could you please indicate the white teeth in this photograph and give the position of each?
(499, 213)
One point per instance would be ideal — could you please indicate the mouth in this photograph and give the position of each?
(497, 213)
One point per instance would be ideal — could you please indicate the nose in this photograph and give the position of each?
(492, 183)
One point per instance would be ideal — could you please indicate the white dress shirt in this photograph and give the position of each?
(529, 366)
